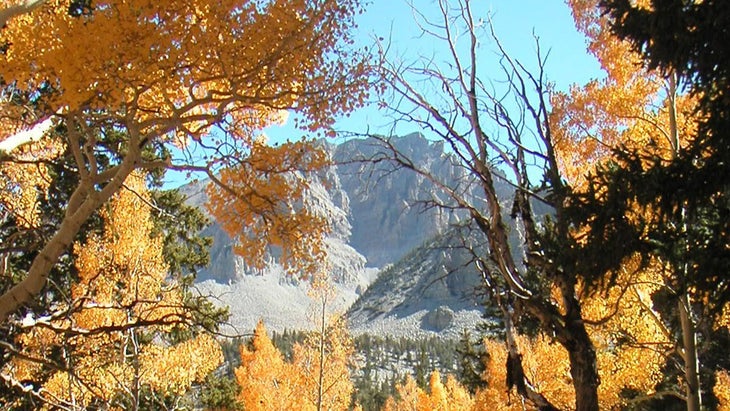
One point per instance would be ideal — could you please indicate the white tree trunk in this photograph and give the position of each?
(684, 306)
(34, 133)
(17, 9)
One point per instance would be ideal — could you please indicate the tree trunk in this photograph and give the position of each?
(583, 369)
(570, 329)
(689, 335)
(34, 133)
(31, 286)
(320, 376)
(689, 354)
(515, 372)
(582, 354)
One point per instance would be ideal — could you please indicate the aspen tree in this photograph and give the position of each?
(113, 333)
(180, 74)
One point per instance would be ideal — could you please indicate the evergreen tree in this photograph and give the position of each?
(423, 368)
(472, 362)
(689, 38)
(684, 204)
(220, 392)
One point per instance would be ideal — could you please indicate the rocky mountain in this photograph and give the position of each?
(389, 209)
(431, 290)
(326, 198)
(385, 225)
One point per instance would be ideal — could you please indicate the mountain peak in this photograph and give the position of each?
(381, 213)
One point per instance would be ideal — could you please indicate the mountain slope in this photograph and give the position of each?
(381, 218)
(433, 289)
(388, 214)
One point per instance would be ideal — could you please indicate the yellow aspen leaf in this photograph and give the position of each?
(122, 305)
(267, 381)
(722, 390)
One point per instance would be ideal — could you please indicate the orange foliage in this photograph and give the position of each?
(121, 295)
(268, 382)
(546, 366)
(122, 271)
(629, 107)
(724, 317)
(631, 341)
(23, 185)
(440, 397)
(410, 397)
(263, 201)
(187, 59)
(722, 390)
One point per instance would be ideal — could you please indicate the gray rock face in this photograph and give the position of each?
(389, 207)
(326, 198)
(382, 217)
(438, 319)
(378, 212)
(435, 274)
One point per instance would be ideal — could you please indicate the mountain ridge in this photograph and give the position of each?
(386, 224)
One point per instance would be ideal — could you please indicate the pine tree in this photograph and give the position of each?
(472, 362)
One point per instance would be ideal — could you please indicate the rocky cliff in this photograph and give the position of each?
(384, 222)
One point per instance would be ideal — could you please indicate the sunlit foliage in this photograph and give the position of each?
(166, 76)
(113, 335)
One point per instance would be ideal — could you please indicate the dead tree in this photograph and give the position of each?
(499, 134)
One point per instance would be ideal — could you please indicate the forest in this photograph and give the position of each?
(617, 295)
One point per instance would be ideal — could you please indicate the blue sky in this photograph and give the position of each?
(516, 23)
